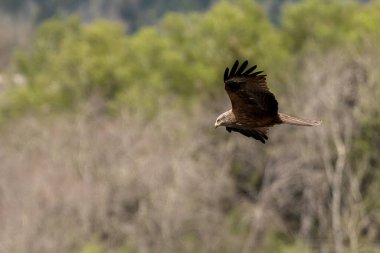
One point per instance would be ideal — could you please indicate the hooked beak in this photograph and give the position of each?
(216, 124)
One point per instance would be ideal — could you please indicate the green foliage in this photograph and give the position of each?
(310, 24)
(182, 58)
(69, 62)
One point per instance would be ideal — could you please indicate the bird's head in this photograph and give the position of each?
(221, 120)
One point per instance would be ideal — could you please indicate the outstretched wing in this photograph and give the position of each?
(259, 133)
(249, 93)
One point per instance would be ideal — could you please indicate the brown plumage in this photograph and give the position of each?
(254, 107)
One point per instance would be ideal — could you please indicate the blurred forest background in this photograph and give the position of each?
(106, 127)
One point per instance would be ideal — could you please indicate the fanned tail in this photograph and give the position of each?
(297, 121)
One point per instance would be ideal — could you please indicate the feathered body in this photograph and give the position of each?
(254, 107)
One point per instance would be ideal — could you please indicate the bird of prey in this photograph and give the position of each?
(254, 107)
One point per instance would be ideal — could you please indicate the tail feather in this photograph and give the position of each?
(297, 121)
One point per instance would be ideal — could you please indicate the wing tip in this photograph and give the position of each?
(226, 74)
(234, 68)
(241, 71)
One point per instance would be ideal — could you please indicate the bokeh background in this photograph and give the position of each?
(107, 139)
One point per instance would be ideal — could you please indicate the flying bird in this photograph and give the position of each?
(254, 107)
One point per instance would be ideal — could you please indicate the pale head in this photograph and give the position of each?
(224, 119)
